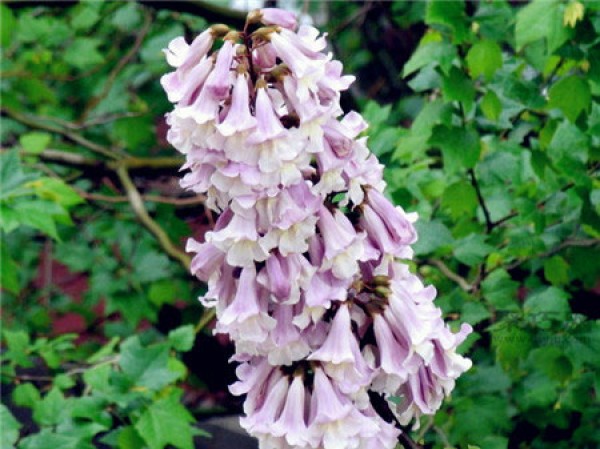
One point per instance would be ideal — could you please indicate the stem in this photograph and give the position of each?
(382, 407)
(137, 203)
(486, 213)
(35, 122)
(207, 316)
(461, 281)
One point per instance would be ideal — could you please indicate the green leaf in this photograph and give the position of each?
(129, 438)
(512, 344)
(460, 147)
(182, 338)
(573, 13)
(9, 271)
(432, 235)
(105, 351)
(459, 199)
(85, 15)
(57, 191)
(571, 95)
(83, 53)
(52, 409)
(26, 395)
(474, 312)
(7, 25)
(451, 14)
(376, 114)
(491, 106)
(415, 142)
(163, 292)
(12, 177)
(556, 270)
(165, 422)
(18, 347)
(151, 266)
(35, 142)
(500, 291)
(127, 17)
(38, 215)
(47, 439)
(484, 58)
(541, 19)
(552, 362)
(568, 143)
(92, 408)
(10, 428)
(485, 379)
(457, 87)
(472, 250)
(146, 367)
(478, 417)
(435, 53)
(549, 303)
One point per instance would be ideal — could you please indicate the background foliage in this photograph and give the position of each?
(487, 117)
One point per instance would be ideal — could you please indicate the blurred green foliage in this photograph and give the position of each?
(487, 117)
(499, 154)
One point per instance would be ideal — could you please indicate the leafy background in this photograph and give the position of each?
(487, 117)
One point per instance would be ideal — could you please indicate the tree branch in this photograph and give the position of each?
(77, 160)
(137, 203)
(566, 244)
(35, 122)
(461, 281)
(382, 407)
(486, 213)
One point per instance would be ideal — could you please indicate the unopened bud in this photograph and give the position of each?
(233, 36)
(382, 292)
(219, 30)
(381, 281)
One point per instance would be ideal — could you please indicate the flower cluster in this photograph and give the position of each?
(304, 264)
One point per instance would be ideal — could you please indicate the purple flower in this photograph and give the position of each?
(341, 355)
(304, 264)
(239, 117)
(275, 16)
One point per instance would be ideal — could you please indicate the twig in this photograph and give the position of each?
(566, 244)
(461, 281)
(442, 436)
(190, 201)
(207, 316)
(486, 213)
(382, 407)
(538, 205)
(137, 203)
(77, 160)
(110, 80)
(35, 122)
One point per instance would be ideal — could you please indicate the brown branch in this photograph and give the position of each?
(538, 205)
(35, 122)
(137, 203)
(461, 281)
(382, 407)
(77, 160)
(486, 213)
(582, 243)
(190, 201)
